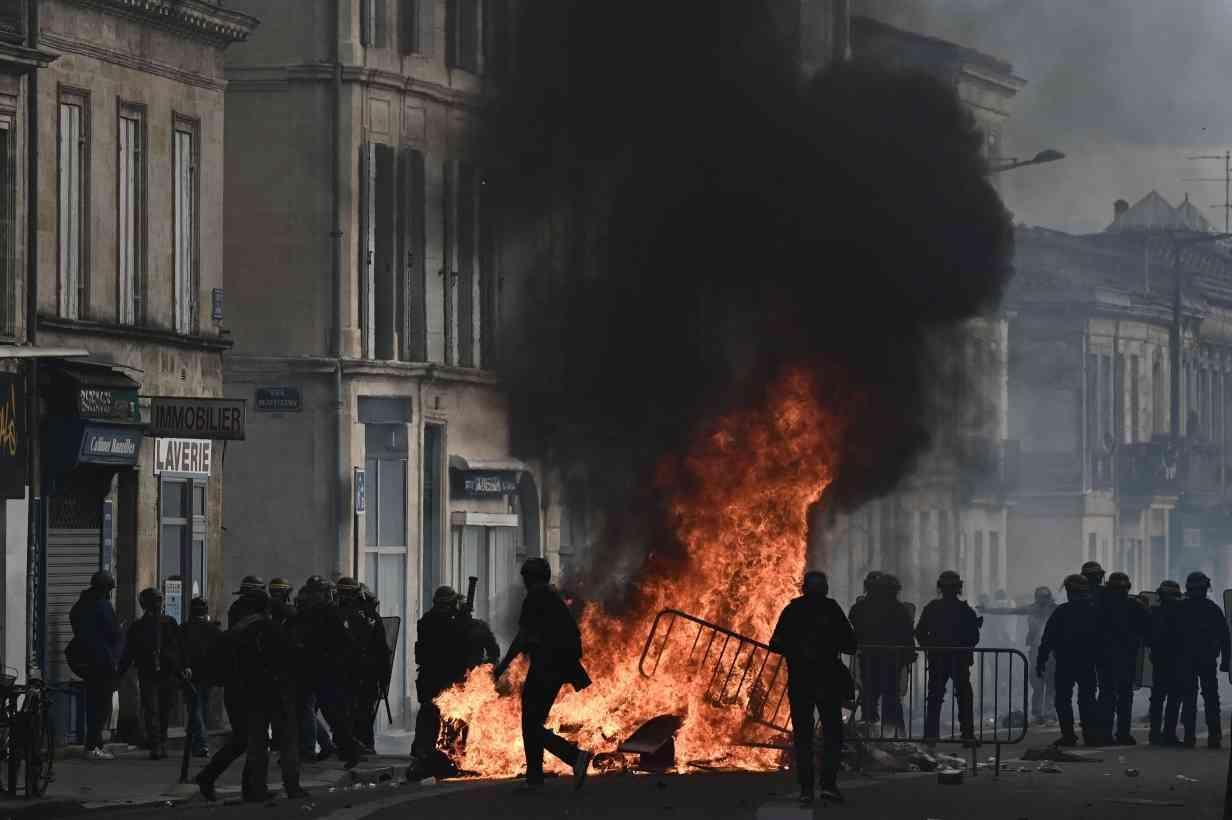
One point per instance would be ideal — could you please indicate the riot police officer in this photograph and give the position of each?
(371, 659)
(949, 622)
(1123, 627)
(811, 633)
(1072, 635)
(440, 652)
(1167, 685)
(881, 620)
(1205, 639)
(334, 657)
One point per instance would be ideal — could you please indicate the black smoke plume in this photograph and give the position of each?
(699, 218)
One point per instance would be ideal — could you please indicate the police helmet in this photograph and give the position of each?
(1118, 580)
(251, 585)
(537, 569)
(102, 580)
(1076, 583)
(949, 580)
(347, 585)
(1197, 580)
(445, 596)
(150, 598)
(873, 579)
(1043, 594)
(1169, 589)
(1092, 569)
(891, 582)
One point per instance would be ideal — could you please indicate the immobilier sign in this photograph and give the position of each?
(221, 419)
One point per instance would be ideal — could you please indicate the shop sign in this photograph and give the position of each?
(12, 437)
(109, 445)
(279, 400)
(173, 598)
(489, 483)
(108, 404)
(221, 419)
(187, 456)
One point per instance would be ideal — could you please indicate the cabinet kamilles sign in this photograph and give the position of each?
(221, 419)
(109, 445)
(12, 437)
(183, 455)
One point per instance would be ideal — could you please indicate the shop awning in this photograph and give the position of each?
(489, 465)
(88, 374)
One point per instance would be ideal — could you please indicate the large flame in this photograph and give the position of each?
(739, 503)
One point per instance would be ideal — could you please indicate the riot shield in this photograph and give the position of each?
(1227, 614)
(392, 625)
(1143, 673)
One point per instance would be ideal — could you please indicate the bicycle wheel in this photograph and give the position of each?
(13, 753)
(39, 752)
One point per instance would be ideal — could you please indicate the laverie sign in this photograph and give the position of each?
(185, 456)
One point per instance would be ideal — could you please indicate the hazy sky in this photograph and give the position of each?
(1128, 89)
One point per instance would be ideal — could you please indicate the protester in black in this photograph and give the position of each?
(201, 637)
(811, 632)
(92, 654)
(548, 634)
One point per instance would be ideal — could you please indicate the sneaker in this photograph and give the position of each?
(206, 787)
(831, 793)
(581, 768)
(99, 754)
(201, 753)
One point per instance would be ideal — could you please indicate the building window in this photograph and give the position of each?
(131, 215)
(994, 559)
(1157, 396)
(373, 23)
(977, 554)
(416, 19)
(8, 226)
(462, 30)
(13, 17)
(1135, 423)
(186, 220)
(1092, 549)
(470, 259)
(73, 173)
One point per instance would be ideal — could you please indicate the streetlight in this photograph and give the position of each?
(1047, 155)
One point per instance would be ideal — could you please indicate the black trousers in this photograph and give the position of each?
(284, 732)
(1115, 697)
(1205, 675)
(879, 680)
(538, 694)
(1071, 673)
(1167, 693)
(808, 697)
(942, 669)
(1043, 690)
(250, 719)
(427, 729)
(338, 714)
(157, 695)
(363, 710)
(98, 691)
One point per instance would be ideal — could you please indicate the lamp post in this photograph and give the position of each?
(1047, 155)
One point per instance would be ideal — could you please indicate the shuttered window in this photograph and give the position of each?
(184, 162)
(131, 216)
(373, 23)
(8, 226)
(449, 216)
(416, 20)
(468, 282)
(470, 299)
(489, 275)
(413, 320)
(73, 159)
(462, 30)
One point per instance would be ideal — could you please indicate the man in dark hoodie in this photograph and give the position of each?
(154, 645)
(201, 636)
(1072, 635)
(881, 620)
(93, 654)
(811, 633)
(949, 622)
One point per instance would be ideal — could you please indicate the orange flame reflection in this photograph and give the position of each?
(739, 504)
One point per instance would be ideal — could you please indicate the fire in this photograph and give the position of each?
(739, 503)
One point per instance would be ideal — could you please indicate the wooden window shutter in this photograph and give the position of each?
(489, 275)
(385, 253)
(451, 33)
(449, 271)
(367, 247)
(414, 319)
(408, 26)
(467, 316)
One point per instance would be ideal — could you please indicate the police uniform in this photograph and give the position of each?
(949, 622)
(1072, 635)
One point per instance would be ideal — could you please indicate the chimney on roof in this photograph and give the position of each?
(1119, 207)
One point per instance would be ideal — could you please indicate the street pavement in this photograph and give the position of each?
(1125, 783)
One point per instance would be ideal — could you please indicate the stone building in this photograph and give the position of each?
(367, 279)
(1118, 396)
(127, 253)
(951, 512)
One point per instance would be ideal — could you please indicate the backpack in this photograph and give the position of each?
(79, 658)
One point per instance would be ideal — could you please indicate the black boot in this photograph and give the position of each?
(206, 785)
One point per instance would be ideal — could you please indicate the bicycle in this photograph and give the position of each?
(26, 735)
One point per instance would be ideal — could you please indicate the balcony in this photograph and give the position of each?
(988, 467)
(1160, 468)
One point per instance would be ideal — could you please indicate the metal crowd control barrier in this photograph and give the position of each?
(741, 672)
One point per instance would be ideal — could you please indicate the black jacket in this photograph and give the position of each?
(155, 646)
(481, 645)
(97, 637)
(1165, 640)
(201, 639)
(1072, 634)
(947, 622)
(881, 620)
(1204, 631)
(811, 634)
(440, 652)
(1124, 624)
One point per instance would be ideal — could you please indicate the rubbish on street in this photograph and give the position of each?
(1183, 779)
(1131, 772)
(1049, 768)
(1057, 755)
